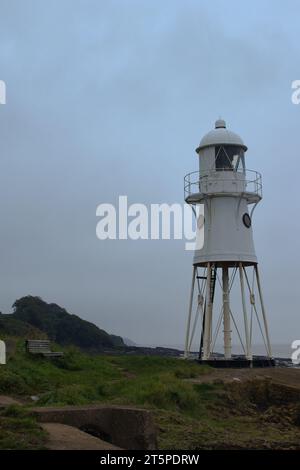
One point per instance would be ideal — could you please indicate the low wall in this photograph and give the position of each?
(128, 428)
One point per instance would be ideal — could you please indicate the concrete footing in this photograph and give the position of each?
(128, 428)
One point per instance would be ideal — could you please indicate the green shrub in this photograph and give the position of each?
(70, 395)
(12, 383)
(19, 430)
(14, 411)
(71, 360)
(185, 373)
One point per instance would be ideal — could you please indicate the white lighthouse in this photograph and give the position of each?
(227, 259)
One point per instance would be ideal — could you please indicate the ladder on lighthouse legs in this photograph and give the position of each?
(204, 306)
(207, 313)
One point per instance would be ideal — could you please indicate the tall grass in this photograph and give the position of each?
(19, 430)
(77, 379)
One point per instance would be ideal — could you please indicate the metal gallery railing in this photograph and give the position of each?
(223, 181)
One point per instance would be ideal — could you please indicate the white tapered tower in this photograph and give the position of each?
(229, 193)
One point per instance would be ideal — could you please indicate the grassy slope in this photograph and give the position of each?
(188, 416)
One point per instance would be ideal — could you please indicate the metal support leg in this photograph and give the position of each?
(263, 311)
(187, 338)
(226, 314)
(247, 336)
(208, 315)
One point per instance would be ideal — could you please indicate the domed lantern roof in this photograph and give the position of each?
(220, 136)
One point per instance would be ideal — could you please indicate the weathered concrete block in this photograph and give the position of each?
(125, 427)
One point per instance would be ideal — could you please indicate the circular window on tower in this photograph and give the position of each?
(247, 220)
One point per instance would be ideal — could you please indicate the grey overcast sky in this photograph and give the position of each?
(109, 98)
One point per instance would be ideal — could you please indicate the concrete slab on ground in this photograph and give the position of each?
(64, 437)
(126, 427)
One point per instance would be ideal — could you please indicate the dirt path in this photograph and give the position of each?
(7, 401)
(63, 437)
(281, 375)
